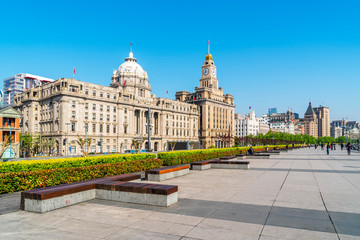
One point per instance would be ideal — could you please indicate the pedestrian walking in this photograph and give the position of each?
(348, 148)
(328, 149)
(342, 146)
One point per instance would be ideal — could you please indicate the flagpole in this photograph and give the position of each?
(74, 72)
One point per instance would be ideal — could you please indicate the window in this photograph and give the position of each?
(86, 127)
(114, 96)
(108, 95)
(94, 93)
(114, 118)
(86, 106)
(36, 117)
(101, 117)
(94, 116)
(73, 127)
(101, 128)
(94, 128)
(73, 104)
(101, 94)
(107, 128)
(36, 127)
(114, 148)
(94, 107)
(114, 109)
(101, 107)
(125, 129)
(73, 115)
(125, 119)
(125, 110)
(108, 108)
(108, 117)
(73, 149)
(86, 115)
(114, 129)
(86, 91)
(108, 148)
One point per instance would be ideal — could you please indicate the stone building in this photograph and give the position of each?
(112, 116)
(10, 126)
(216, 108)
(310, 122)
(249, 125)
(322, 114)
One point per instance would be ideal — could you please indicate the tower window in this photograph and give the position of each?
(206, 63)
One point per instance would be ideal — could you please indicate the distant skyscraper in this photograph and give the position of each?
(323, 117)
(310, 122)
(19, 83)
(296, 115)
(272, 110)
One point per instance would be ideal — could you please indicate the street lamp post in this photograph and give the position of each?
(85, 139)
(67, 138)
(9, 123)
(101, 143)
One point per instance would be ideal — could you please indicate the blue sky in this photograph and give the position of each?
(268, 53)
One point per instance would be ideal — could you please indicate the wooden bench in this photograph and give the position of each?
(241, 156)
(228, 158)
(202, 165)
(117, 188)
(258, 156)
(231, 164)
(164, 173)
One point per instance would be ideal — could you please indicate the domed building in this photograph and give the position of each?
(112, 116)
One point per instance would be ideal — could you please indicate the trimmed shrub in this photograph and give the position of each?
(181, 157)
(30, 165)
(22, 181)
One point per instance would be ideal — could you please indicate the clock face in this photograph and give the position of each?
(206, 71)
(213, 71)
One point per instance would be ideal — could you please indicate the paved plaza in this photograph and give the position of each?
(302, 194)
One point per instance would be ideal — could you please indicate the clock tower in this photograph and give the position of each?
(208, 73)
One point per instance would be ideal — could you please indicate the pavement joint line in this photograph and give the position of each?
(340, 173)
(267, 218)
(322, 199)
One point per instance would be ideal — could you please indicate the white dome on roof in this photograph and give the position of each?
(131, 66)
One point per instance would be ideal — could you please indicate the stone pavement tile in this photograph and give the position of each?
(87, 228)
(210, 233)
(10, 202)
(348, 237)
(241, 227)
(342, 202)
(313, 224)
(252, 198)
(162, 227)
(256, 215)
(264, 237)
(297, 234)
(175, 218)
(55, 234)
(122, 218)
(134, 234)
(299, 212)
(18, 230)
(348, 227)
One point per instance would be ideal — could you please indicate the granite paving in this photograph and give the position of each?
(300, 194)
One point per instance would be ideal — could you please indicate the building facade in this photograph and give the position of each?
(111, 116)
(216, 124)
(9, 128)
(323, 116)
(310, 122)
(19, 83)
(249, 125)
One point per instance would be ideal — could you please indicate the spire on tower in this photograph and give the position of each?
(208, 46)
(131, 55)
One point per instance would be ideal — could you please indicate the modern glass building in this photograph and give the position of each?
(20, 82)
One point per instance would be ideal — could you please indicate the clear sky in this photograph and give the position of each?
(268, 53)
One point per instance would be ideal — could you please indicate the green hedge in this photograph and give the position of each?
(22, 181)
(30, 165)
(181, 157)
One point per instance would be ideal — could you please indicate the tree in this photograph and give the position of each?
(82, 142)
(5, 145)
(27, 144)
(191, 145)
(138, 144)
(172, 145)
